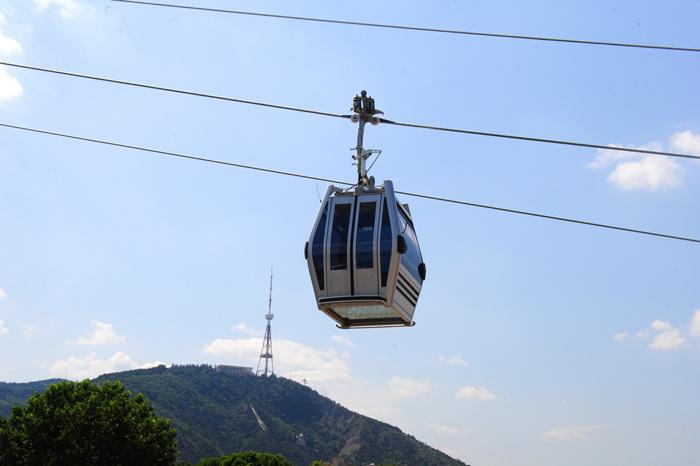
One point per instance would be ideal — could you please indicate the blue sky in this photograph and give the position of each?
(537, 342)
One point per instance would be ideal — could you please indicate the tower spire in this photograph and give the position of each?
(266, 351)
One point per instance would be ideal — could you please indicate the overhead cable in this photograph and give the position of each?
(280, 172)
(167, 89)
(173, 154)
(337, 115)
(410, 28)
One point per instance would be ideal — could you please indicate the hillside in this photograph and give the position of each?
(12, 394)
(218, 414)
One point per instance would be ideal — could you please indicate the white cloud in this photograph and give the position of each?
(686, 142)
(440, 429)
(695, 324)
(471, 393)
(8, 45)
(29, 332)
(666, 336)
(67, 7)
(3, 329)
(661, 325)
(571, 432)
(9, 86)
(102, 334)
(406, 388)
(239, 349)
(242, 327)
(75, 368)
(288, 356)
(449, 452)
(453, 361)
(343, 341)
(606, 157)
(3, 295)
(640, 171)
(653, 172)
(669, 339)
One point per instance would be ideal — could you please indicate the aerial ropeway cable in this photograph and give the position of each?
(310, 177)
(337, 115)
(413, 28)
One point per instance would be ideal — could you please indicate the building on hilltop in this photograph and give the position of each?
(234, 370)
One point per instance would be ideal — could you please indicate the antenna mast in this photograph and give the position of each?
(266, 351)
(363, 107)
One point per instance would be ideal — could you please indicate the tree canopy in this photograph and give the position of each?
(247, 459)
(82, 423)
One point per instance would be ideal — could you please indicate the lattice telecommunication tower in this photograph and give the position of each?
(266, 352)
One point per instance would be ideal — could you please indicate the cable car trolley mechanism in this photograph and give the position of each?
(363, 255)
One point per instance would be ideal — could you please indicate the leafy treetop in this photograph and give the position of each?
(82, 423)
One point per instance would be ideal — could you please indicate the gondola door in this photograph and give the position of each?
(338, 244)
(365, 257)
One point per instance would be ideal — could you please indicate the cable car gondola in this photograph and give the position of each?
(363, 254)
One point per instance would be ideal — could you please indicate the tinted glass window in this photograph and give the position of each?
(317, 247)
(385, 242)
(365, 235)
(412, 259)
(339, 237)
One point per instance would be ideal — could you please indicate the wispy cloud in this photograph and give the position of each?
(695, 324)
(453, 361)
(653, 172)
(406, 388)
(242, 327)
(3, 329)
(669, 338)
(441, 429)
(67, 8)
(686, 142)
(450, 452)
(571, 432)
(647, 172)
(666, 336)
(8, 45)
(343, 340)
(474, 393)
(10, 88)
(29, 332)
(102, 334)
(288, 356)
(75, 368)
(3, 295)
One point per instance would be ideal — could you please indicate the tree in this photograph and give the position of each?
(248, 458)
(81, 424)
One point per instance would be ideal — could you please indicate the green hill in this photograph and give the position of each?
(217, 414)
(12, 394)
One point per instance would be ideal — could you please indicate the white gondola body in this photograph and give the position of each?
(364, 260)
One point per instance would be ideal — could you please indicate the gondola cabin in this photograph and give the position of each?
(364, 260)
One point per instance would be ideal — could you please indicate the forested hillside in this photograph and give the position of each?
(12, 394)
(214, 416)
(217, 414)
